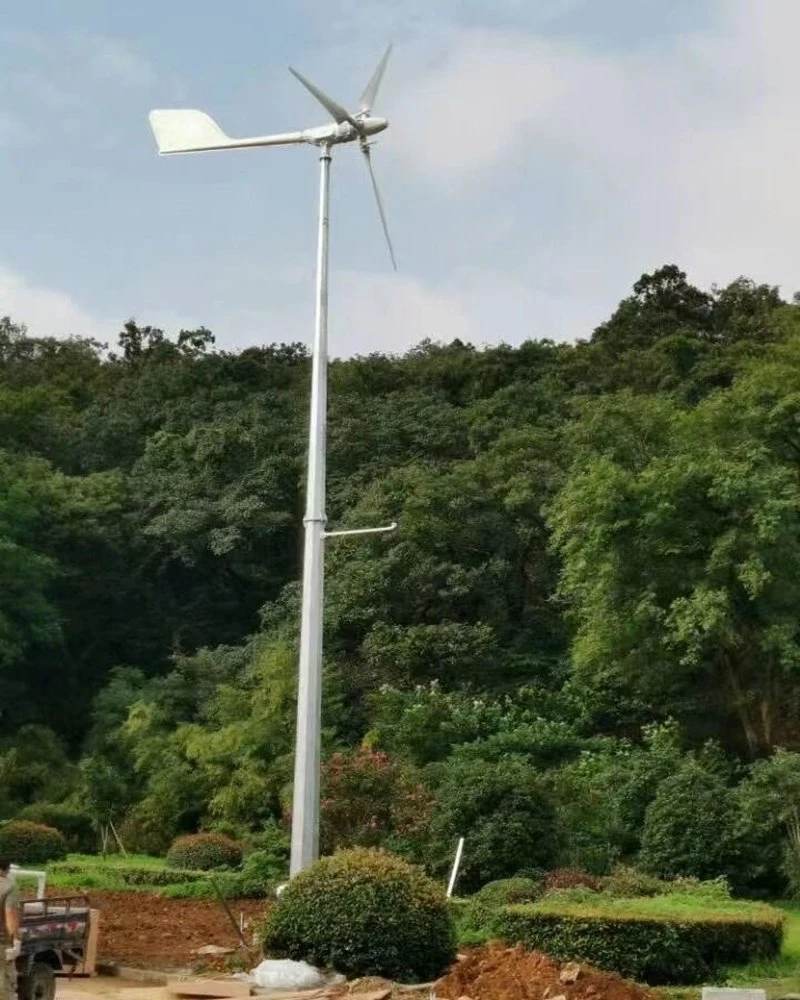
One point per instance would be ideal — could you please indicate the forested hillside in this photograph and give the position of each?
(580, 647)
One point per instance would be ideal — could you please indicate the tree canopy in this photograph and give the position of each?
(598, 543)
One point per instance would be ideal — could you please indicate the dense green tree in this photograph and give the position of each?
(595, 571)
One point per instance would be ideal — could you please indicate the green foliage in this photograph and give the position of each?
(503, 892)
(507, 815)
(369, 799)
(26, 843)
(34, 767)
(769, 818)
(595, 587)
(76, 827)
(570, 878)
(662, 940)
(689, 828)
(204, 851)
(364, 913)
(127, 874)
(625, 882)
(476, 914)
(261, 872)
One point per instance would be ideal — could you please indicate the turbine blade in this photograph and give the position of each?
(367, 100)
(334, 109)
(379, 200)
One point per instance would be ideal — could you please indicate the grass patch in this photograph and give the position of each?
(140, 873)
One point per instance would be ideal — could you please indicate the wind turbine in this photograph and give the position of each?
(191, 131)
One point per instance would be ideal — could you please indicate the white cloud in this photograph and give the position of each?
(46, 312)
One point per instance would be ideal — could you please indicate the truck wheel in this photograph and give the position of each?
(39, 984)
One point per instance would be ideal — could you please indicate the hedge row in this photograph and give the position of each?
(678, 948)
(129, 876)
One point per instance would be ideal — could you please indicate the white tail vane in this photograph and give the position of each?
(180, 131)
(183, 130)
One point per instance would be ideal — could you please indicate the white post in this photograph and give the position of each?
(456, 864)
(305, 808)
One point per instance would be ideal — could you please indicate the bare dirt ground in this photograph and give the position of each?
(501, 973)
(150, 932)
(106, 987)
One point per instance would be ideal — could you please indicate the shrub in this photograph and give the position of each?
(364, 913)
(505, 891)
(475, 916)
(629, 883)
(368, 798)
(510, 818)
(570, 878)
(260, 873)
(77, 827)
(143, 833)
(204, 851)
(26, 843)
(665, 943)
(689, 827)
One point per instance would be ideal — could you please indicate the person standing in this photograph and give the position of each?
(9, 932)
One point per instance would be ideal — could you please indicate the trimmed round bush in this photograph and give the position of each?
(364, 913)
(26, 843)
(76, 827)
(204, 851)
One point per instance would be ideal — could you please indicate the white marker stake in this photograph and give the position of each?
(454, 872)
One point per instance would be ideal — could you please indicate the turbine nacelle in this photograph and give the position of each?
(372, 126)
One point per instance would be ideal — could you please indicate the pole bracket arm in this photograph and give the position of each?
(362, 531)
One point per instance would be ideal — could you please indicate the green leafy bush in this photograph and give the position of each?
(364, 913)
(570, 878)
(26, 843)
(661, 941)
(204, 851)
(629, 883)
(505, 891)
(509, 815)
(689, 827)
(77, 827)
(260, 873)
(475, 916)
(144, 833)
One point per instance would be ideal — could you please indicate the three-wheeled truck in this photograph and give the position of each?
(58, 934)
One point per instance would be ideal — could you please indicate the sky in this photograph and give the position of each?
(541, 155)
